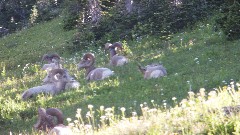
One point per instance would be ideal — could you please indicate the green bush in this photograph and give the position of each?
(229, 21)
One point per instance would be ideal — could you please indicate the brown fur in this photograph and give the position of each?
(46, 118)
(92, 73)
(50, 57)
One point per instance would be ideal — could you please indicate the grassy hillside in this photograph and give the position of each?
(194, 59)
(27, 46)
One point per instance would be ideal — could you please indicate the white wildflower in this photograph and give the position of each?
(90, 106)
(78, 115)
(108, 109)
(101, 108)
(134, 114)
(195, 59)
(69, 119)
(123, 109)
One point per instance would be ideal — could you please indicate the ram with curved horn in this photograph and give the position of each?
(53, 61)
(93, 73)
(115, 59)
(54, 83)
(152, 71)
(46, 122)
(50, 57)
(71, 84)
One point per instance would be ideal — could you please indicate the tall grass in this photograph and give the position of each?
(199, 58)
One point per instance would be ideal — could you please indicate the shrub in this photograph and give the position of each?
(229, 21)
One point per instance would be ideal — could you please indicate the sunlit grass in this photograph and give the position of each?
(194, 59)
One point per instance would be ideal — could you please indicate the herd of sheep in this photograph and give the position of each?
(58, 79)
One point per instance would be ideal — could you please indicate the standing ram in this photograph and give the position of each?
(93, 73)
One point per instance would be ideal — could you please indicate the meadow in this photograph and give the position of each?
(203, 76)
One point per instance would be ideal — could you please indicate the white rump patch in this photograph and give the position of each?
(122, 61)
(156, 74)
(106, 73)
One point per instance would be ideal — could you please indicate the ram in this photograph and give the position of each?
(115, 59)
(46, 122)
(93, 73)
(152, 71)
(53, 61)
(53, 83)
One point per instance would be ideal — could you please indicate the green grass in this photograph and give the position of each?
(194, 59)
(27, 46)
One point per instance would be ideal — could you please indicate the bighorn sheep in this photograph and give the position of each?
(46, 122)
(53, 61)
(72, 83)
(54, 83)
(153, 71)
(93, 73)
(115, 59)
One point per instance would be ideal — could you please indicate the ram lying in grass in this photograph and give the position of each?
(53, 62)
(152, 71)
(115, 59)
(47, 123)
(93, 73)
(55, 82)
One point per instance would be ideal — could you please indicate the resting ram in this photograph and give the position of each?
(52, 61)
(55, 82)
(153, 71)
(46, 122)
(115, 59)
(93, 73)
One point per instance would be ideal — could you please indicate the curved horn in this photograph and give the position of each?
(49, 57)
(118, 45)
(45, 57)
(89, 56)
(57, 71)
(57, 113)
(55, 56)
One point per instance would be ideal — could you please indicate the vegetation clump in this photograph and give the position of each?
(229, 20)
